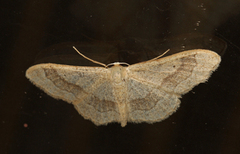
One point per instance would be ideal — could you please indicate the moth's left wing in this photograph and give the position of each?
(87, 88)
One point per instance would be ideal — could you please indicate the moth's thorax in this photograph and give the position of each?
(118, 74)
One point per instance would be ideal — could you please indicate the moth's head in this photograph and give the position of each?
(117, 64)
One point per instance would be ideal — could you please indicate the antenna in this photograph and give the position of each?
(160, 55)
(96, 62)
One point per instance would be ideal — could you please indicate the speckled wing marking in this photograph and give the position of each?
(87, 88)
(155, 86)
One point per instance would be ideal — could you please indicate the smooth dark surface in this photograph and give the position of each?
(208, 120)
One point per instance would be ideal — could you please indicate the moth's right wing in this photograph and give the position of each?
(155, 86)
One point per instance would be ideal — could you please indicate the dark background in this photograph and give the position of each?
(33, 31)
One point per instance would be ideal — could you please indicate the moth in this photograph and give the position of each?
(143, 92)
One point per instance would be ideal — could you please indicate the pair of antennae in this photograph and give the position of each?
(96, 62)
